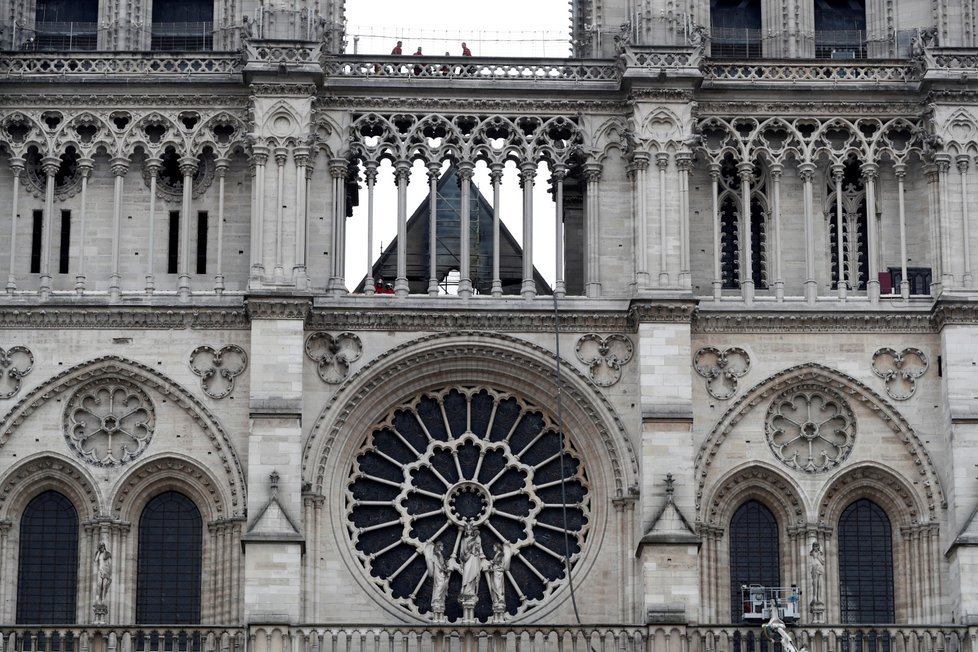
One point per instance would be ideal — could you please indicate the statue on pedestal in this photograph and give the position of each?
(103, 579)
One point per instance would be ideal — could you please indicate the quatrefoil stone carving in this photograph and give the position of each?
(721, 369)
(604, 356)
(900, 371)
(15, 363)
(218, 369)
(333, 355)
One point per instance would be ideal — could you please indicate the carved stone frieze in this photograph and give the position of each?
(810, 428)
(805, 322)
(273, 307)
(468, 105)
(125, 317)
(284, 89)
(429, 320)
(807, 108)
(604, 356)
(218, 368)
(15, 363)
(109, 421)
(721, 368)
(900, 370)
(123, 100)
(646, 313)
(45, 468)
(333, 355)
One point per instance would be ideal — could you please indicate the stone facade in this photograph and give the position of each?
(176, 319)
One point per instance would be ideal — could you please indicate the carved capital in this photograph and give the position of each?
(558, 174)
(301, 155)
(338, 167)
(963, 161)
(745, 169)
(259, 153)
(838, 169)
(465, 170)
(662, 160)
(640, 160)
(870, 170)
(806, 171)
(900, 170)
(281, 156)
(684, 161)
(221, 166)
(370, 172)
(85, 166)
(496, 173)
(17, 165)
(50, 165)
(188, 165)
(119, 166)
(592, 172)
(776, 170)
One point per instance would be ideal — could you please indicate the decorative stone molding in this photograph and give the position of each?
(646, 313)
(172, 470)
(432, 349)
(283, 90)
(119, 100)
(109, 422)
(459, 497)
(810, 428)
(778, 492)
(218, 369)
(791, 108)
(900, 371)
(35, 472)
(882, 486)
(112, 366)
(271, 307)
(15, 363)
(721, 369)
(604, 356)
(431, 320)
(125, 317)
(466, 105)
(333, 355)
(812, 322)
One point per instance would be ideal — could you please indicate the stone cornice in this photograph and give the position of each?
(808, 108)
(456, 320)
(126, 317)
(469, 105)
(239, 100)
(812, 322)
(272, 306)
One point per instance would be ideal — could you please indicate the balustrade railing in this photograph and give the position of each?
(806, 71)
(484, 638)
(204, 66)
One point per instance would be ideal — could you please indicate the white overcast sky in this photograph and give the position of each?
(529, 28)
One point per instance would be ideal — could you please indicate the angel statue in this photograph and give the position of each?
(496, 575)
(439, 570)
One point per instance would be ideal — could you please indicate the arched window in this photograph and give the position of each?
(732, 225)
(840, 29)
(753, 553)
(183, 25)
(65, 25)
(855, 250)
(735, 29)
(865, 564)
(168, 575)
(47, 579)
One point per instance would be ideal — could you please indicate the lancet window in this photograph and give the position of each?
(753, 553)
(732, 225)
(865, 564)
(847, 179)
(48, 570)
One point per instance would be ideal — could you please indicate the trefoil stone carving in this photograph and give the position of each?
(109, 422)
(900, 371)
(15, 363)
(333, 355)
(605, 356)
(722, 369)
(218, 369)
(810, 428)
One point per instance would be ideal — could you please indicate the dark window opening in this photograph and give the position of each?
(865, 564)
(753, 553)
(173, 243)
(854, 238)
(64, 25)
(48, 570)
(183, 25)
(735, 29)
(65, 242)
(840, 29)
(202, 242)
(169, 562)
(37, 232)
(732, 226)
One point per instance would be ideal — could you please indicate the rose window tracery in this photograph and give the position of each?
(810, 428)
(462, 504)
(109, 422)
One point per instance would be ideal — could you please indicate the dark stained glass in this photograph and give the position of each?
(865, 564)
(168, 579)
(753, 553)
(48, 572)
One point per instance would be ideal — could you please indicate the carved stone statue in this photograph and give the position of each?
(103, 573)
(816, 565)
(439, 569)
(496, 575)
(470, 557)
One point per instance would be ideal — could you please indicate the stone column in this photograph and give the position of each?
(592, 216)
(528, 172)
(221, 169)
(841, 285)
(85, 166)
(496, 177)
(557, 178)
(17, 169)
(943, 163)
(337, 172)
(807, 172)
(901, 173)
(402, 174)
(776, 170)
(662, 162)
(640, 167)
(259, 155)
(188, 166)
(746, 171)
(153, 166)
(120, 167)
(50, 165)
(300, 156)
(281, 156)
(370, 174)
(434, 172)
(684, 163)
(963, 161)
(465, 170)
(5, 571)
(717, 233)
(930, 173)
(870, 172)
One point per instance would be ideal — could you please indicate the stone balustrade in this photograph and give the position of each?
(203, 66)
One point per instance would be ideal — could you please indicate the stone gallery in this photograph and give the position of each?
(304, 349)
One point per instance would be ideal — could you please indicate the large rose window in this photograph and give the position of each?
(810, 428)
(109, 422)
(463, 505)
